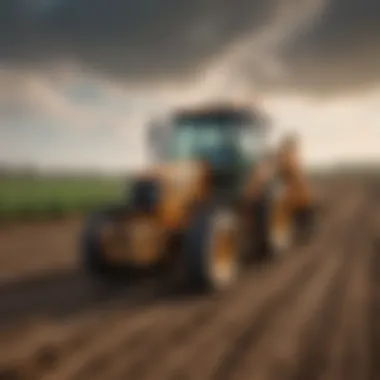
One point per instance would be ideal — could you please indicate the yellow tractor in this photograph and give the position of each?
(215, 200)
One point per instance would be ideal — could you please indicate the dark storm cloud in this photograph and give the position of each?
(342, 49)
(139, 38)
(168, 39)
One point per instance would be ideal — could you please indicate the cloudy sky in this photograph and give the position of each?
(80, 78)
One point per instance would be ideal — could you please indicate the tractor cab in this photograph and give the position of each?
(228, 140)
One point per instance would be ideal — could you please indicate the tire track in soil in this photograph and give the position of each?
(57, 340)
(124, 330)
(252, 334)
(41, 336)
(85, 348)
(31, 368)
(63, 341)
(350, 353)
(277, 343)
(175, 324)
(318, 334)
(162, 365)
(374, 312)
(152, 347)
(137, 359)
(72, 340)
(171, 340)
(162, 339)
(275, 357)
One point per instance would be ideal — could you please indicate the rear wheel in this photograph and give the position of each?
(211, 249)
(280, 238)
(274, 227)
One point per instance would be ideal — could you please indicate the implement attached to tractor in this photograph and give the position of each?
(214, 201)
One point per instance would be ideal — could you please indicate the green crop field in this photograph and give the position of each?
(34, 198)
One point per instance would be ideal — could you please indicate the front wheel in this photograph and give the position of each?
(93, 257)
(211, 249)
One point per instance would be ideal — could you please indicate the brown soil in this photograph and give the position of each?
(312, 315)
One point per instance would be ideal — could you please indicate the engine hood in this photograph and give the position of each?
(173, 189)
(177, 174)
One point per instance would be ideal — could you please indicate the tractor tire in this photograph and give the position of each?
(204, 267)
(92, 256)
(268, 244)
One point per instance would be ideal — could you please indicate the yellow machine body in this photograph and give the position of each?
(143, 238)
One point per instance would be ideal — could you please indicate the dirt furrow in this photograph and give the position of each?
(147, 335)
(227, 354)
(40, 335)
(66, 367)
(124, 329)
(205, 341)
(168, 338)
(349, 355)
(278, 344)
(319, 332)
(374, 312)
(276, 356)
(230, 353)
(154, 339)
(178, 353)
(156, 345)
(61, 339)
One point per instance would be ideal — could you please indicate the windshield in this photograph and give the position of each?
(215, 142)
(191, 141)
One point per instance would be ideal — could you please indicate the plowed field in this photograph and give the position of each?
(314, 314)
